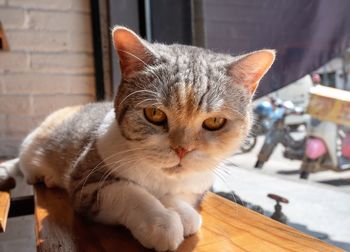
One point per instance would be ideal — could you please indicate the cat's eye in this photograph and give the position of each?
(214, 123)
(155, 115)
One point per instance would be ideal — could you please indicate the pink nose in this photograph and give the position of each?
(181, 152)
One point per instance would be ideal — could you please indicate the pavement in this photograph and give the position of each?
(319, 206)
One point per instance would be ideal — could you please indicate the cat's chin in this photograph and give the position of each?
(173, 170)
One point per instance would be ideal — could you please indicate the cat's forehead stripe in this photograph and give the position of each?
(189, 90)
(187, 82)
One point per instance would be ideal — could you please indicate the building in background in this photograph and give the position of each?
(336, 73)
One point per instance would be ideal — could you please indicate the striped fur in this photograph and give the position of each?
(119, 168)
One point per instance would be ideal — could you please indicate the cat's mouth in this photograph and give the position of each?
(174, 169)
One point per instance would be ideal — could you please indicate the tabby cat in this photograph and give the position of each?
(146, 160)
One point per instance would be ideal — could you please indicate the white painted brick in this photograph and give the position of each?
(9, 145)
(15, 104)
(36, 83)
(42, 41)
(37, 88)
(86, 87)
(20, 125)
(12, 18)
(49, 103)
(2, 88)
(3, 124)
(63, 63)
(80, 42)
(81, 5)
(60, 21)
(42, 4)
(13, 62)
(50, 65)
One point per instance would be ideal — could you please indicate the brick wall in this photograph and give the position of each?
(49, 65)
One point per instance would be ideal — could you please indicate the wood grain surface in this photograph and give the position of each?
(226, 227)
(4, 209)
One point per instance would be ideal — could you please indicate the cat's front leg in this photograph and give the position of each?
(190, 218)
(126, 203)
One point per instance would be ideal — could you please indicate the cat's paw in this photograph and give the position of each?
(162, 232)
(190, 218)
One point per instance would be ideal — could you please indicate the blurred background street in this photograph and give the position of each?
(319, 206)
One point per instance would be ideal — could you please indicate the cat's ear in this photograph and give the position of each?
(249, 69)
(134, 52)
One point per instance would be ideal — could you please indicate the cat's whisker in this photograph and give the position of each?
(217, 171)
(86, 179)
(230, 162)
(114, 169)
(223, 168)
(235, 111)
(149, 67)
(136, 92)
(103, 176)
(104, 162)
(146, 100)
(100, 166)
(222, 178)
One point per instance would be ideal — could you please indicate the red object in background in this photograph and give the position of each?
(315, 148)
(346, 147)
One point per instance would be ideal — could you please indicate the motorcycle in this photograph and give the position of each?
(263, 114)
(281, 133)
(328, 137)
(327, 147)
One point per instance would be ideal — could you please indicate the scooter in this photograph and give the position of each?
(280, 133)
(328, 142)
(263, 113)
(327, 147)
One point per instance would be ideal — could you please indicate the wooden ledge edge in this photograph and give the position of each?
(4, 209)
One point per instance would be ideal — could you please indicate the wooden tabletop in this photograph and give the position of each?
(226, 227)
(5, 200)
(4, 209)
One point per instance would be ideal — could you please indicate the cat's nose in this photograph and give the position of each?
(181, 152)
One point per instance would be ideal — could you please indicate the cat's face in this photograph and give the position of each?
(184, 108)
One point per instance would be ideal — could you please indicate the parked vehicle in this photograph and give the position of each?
(328, 136)
(279, 132)
(327, 147)
(263, 114)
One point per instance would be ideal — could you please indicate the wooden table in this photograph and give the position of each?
(4, 209)
(226, 227)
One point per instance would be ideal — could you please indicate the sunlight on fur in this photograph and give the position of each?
(146, 160)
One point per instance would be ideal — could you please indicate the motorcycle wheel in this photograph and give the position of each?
(304, 175)
(259, 164)
(248, 144)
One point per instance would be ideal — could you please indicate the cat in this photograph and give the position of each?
(146, 160)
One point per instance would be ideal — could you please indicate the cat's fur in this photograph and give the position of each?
(118, 168)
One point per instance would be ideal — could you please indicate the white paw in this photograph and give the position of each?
(162, 232)
(191, 220)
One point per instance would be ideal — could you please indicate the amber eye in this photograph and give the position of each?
(214, 123)
(155, 116)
